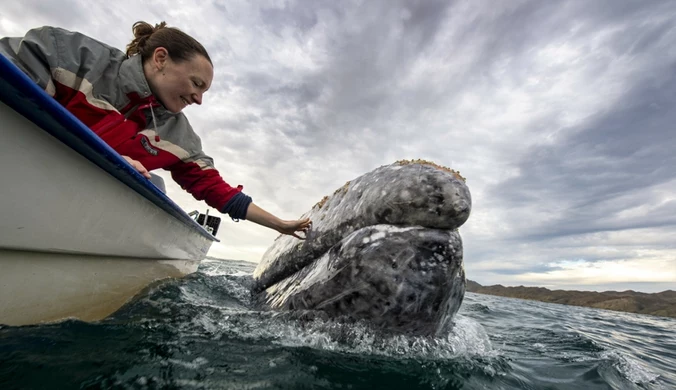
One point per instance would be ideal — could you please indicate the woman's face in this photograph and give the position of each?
(178, 84)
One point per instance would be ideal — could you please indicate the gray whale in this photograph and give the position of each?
(383, 248)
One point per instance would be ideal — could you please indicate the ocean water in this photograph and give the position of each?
(201, 332)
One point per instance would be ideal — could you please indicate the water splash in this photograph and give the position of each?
(629, 368)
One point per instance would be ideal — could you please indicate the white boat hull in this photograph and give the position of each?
(42, 287)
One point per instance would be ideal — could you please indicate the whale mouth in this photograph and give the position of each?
(399, 279)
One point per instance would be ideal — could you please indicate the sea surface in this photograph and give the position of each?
(200, 332)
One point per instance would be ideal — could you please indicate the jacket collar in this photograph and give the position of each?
(134, 85)
(132, 80)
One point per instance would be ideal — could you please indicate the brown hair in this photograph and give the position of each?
(181, 46)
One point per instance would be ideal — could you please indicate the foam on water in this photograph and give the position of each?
(629, 368)
(310, 329)
(467, 338)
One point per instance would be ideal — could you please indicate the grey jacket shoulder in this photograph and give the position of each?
(46, 49)
(78, 52)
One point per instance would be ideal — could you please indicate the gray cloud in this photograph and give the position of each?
(539, 268)
(617, 161)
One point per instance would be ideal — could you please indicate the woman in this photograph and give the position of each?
(133, 101)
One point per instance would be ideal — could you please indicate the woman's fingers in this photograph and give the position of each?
(305, 225)
(299, 226)
(138, 166)
(142, 170)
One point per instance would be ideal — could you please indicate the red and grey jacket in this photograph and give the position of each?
(109, 93)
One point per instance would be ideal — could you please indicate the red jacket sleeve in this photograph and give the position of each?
(200, 179)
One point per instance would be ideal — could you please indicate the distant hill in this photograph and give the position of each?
(659, 304)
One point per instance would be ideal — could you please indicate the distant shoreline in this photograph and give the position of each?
(661, 304)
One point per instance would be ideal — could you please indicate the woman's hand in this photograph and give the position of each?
(262, 217)
(138, 166)
(292, 227)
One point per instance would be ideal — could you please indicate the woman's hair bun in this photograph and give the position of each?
(179, 45)
(142, 31)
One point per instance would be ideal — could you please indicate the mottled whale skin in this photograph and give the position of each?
(384, 248)
(396, 194)
(406, 280)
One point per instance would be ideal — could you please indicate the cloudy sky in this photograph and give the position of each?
(559, 113)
